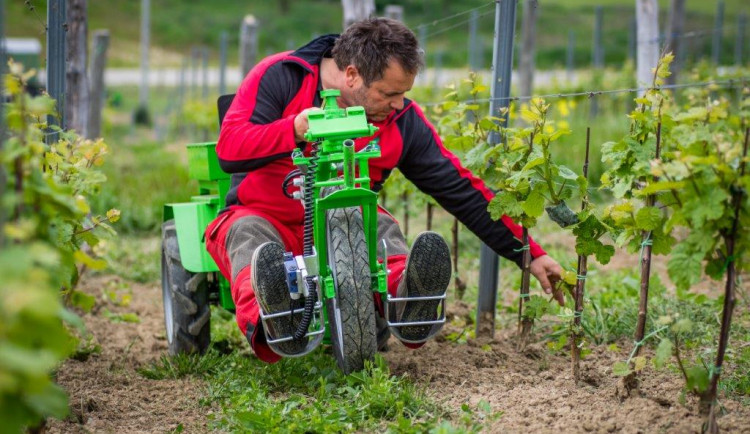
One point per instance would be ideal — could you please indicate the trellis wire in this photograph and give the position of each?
(689, 34)
(450, 17)
(730, 83)
(32, 8)
(459, 24)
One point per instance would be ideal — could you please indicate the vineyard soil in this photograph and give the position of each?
(533, 390)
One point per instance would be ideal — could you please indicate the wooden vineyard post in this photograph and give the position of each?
(640, 329)
(729, 301)
(582, 270)
(77, 96)
(98, 64)
(458, 284)
(524, 324)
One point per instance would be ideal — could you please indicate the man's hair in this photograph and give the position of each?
(371, 43)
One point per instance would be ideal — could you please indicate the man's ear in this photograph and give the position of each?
(351, 76)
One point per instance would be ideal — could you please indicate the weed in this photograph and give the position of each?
(134, 258)
(184, 365)
(141, 179)
(121, 317)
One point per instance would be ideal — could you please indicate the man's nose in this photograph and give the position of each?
(397, 103)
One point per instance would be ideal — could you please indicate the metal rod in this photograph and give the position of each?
(56, 16)
(473, 41)
(502, 62)
(598, 49)
(223, 63)
(718, 33)
(145, 36)
(570, 58)
(348, 154)
(739, 45)
(204, 72)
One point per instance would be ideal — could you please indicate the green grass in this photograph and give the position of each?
(177, 25)
(309, 394)
(135, 257)
(141, 178)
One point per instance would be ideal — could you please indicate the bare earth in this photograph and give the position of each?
(106, 392)
(533, 390)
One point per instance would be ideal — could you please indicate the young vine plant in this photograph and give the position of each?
(48, 229)
(696, 186)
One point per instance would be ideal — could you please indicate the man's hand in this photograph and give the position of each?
(301, 125)
(547, 271)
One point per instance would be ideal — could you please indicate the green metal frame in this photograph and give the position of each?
(192, 218)
(335, 128)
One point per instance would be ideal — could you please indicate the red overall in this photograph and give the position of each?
(257, 139)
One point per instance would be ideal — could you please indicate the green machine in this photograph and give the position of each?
(342, 265)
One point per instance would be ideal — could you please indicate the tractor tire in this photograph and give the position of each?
(350, 268)
(187, 314)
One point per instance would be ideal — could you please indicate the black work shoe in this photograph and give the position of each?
(269, 283)
(428, 273)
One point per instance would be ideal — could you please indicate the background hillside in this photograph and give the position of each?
(179, 24)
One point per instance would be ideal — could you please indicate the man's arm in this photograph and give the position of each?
(437, 172)
(255, 130)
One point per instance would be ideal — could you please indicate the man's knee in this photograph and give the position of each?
(246, 235)
(389, 231)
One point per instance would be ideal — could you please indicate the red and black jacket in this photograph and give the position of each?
(257, 139)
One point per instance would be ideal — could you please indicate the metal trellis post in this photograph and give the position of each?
(597, 53)
(204, 71)
(473, 41)
(718, 31)
(223, 63)
(436, 80)
(248, 44)
(633, 40)
(598, 56)
(570, 58)
(395, 12)
(56, 16)
(502, 62)
(739, 45)
(145, 37)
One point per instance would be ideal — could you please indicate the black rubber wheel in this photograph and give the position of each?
(187, 315)
(349, 263)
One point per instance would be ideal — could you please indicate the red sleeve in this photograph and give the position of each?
(253, 131)
(438, 172)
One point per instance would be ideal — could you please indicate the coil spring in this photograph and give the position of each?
(307, 241)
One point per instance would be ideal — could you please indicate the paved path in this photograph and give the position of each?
(171, 77)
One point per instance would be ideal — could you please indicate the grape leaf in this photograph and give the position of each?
(639, 363)
(621, 369)
(684, 268)
(566, 173)
(663, 353)
(662, 243)
(697, 378)
(504, 204)
(533, 206)
(648, 218)
(707, 207)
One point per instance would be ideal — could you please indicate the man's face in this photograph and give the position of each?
(382, 96)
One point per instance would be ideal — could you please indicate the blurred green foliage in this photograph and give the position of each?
(287, 24)
(49, 235)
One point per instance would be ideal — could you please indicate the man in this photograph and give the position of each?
(373, 63)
